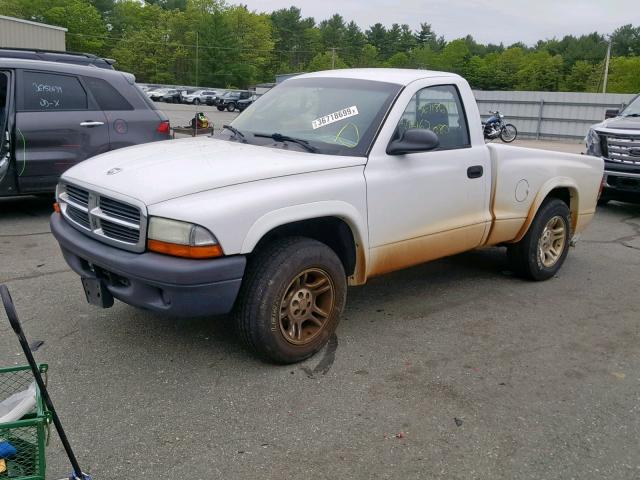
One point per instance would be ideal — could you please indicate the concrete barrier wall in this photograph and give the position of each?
(550, 114)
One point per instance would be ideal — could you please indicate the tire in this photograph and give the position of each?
(526, 256)
(231, 107)
(508, 133)
(279, 284)
(196, 101)
(220, 108)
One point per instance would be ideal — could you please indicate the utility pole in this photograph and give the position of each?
(197, 47)
(606, 66)
(195, 117)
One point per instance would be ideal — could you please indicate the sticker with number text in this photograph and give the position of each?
(335, 117)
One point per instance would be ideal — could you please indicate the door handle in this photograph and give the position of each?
(475, 171)
(91, 124)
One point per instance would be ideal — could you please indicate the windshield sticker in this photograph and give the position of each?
(335, 117)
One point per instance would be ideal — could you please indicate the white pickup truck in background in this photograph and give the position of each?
(327, 180)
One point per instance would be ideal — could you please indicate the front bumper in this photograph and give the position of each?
(176, 286)
(621, 180)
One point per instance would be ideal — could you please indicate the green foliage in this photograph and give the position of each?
(626, 41)
(624, 75)
(216, 43)
(326, 61)
(582, 78)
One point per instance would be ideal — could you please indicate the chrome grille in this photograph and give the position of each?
(623, 149)
(79, 216)
(108, 219)
(119, 232)
(120, 210)
(78, 195)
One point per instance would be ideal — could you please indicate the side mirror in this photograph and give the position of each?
(414, 140)
(611, 113)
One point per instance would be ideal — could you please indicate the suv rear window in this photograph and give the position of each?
(108, 97)
(46, 92)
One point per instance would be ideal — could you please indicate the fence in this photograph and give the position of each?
(550, 114)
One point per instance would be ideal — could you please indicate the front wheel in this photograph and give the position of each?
(291, 299)
(542, 251)
(508, 133)
(220, 109)
(231, 107)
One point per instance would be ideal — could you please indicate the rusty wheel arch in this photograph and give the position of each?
(567, 194)
(334, 232)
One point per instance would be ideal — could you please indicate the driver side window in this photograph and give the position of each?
(438, 109)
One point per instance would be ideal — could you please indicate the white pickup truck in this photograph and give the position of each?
(327, 180)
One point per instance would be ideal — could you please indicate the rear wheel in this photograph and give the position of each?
(220, 108)
(542, 251)
(291, 299)
(508, 133)
(231, 107)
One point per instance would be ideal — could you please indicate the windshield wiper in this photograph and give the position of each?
(284, 138)
(235, 132)
(632, 115)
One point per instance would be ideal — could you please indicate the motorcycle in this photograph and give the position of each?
(495, 127)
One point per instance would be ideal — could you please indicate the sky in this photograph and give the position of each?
(488, 21)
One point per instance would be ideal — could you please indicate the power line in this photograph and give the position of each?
(124, 39)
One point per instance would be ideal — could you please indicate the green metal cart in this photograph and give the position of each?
(28, 435)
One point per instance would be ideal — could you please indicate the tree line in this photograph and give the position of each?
(213, 43)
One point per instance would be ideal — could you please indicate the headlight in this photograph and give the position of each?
(181, 239)
(593, 143)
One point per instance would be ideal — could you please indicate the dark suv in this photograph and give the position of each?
(55, 115)
(229, 100)
(617, 142)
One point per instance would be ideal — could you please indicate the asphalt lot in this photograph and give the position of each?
(453, 370)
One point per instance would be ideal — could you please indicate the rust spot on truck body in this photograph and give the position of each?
(399, 255)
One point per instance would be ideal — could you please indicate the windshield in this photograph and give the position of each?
(633, 109)
(336, 116)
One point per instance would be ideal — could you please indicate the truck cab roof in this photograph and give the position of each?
(400, 76)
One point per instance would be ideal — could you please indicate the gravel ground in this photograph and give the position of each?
(453, 370)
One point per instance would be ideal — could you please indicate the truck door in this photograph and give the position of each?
(57, 126)
(7, 170)
(431, 204)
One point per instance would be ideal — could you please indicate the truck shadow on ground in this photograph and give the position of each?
(215, 336)
(16, 208)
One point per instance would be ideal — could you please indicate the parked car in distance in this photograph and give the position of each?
(199, 96)
(54, 115)
(172, 95)
(157, 93)
(229, 100)
(245, 102)
(617, 141)
(334, 178)
(74, 58)
(184, 91)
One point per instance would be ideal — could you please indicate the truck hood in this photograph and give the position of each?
(160, 171)
(620, 123)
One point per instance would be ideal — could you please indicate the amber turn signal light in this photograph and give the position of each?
(56, 207)
(186, 251)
